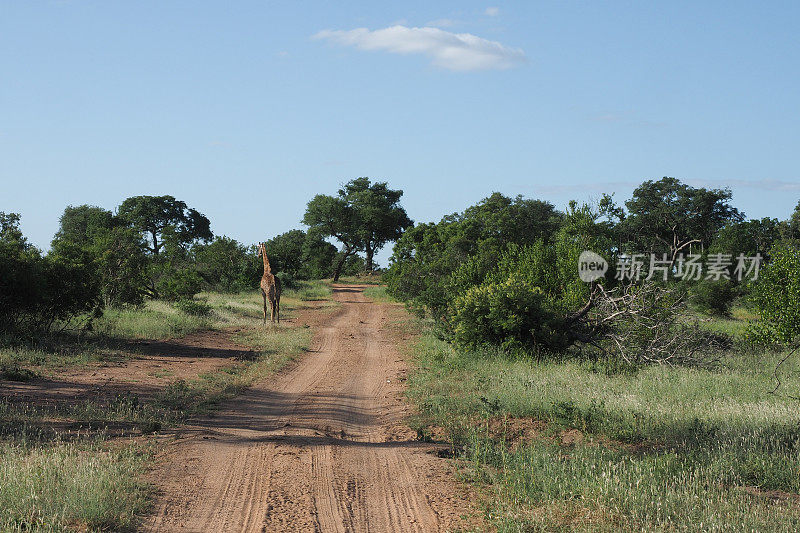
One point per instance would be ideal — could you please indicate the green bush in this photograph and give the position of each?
(113, 252)
(227, 266)
(776, 294)
(713, 297)
(511, 313)
(179, 284)
(40, 293)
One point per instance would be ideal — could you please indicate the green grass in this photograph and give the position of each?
(378, 294)
(68, 487)
(697, 449)
(733, 326)
(311, 291)
(157, 320)
(362, 279)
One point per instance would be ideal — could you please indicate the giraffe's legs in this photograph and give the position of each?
(264, 294)
(278, 307)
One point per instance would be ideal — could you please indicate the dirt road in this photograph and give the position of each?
(322, 447)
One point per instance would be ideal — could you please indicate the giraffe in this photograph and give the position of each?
(270, 288)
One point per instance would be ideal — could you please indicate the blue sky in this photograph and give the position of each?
(245, 110)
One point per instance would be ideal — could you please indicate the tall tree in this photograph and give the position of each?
(363, 216)
(114, 252)
(381, 218)
(791, 227)
(668, 216)
(156, 215)
(329, 216)
(750, 237)
(82, 224)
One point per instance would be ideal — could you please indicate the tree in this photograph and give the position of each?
(750, 237)
(427, 255)
(791, 228)
(112, 251)
(36, 292)
(328, 216)
(667, 216)
(363, 216)
(377, 209)
(156, 215)
(227, 265)
(83, 224)
(10, 233)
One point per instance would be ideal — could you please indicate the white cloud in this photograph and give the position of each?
(492, 11)
(453, 51)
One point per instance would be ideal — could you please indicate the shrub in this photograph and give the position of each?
(179, 284)
(227, 266)
(38, 293)
(776, 293)
(114, 253)
(713, 297)
(288, 282)
(512, 313)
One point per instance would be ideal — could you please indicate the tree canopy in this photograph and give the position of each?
(668, 216)
(363, 216)
(156, 216)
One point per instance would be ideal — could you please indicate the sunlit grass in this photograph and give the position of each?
(379, 294)
(698, 448)
(69, 487)
(156, 320)
(362, 279)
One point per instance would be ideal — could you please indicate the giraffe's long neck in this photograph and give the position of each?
(267, 267)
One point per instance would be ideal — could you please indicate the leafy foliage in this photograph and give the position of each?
(427, 255)
(713, 297)
(363, 216)
(227, 265)
(301, 255)
(178, 284)
(115, 254)
(749, 237)
(667, 216)
(39, 293)
(776, 293)
(155, 215)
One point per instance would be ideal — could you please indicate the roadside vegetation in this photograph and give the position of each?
(628, 403)
(570, 444)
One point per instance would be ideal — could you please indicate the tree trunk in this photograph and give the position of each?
(155, 242)
(370, 251)
(337, 271)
